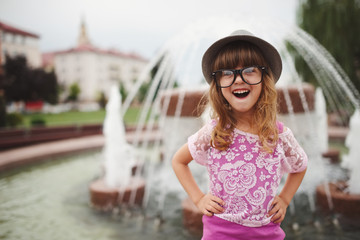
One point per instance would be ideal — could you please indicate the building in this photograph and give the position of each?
(95, 70)
(18, 42)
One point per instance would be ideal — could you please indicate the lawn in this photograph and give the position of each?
(76, 117)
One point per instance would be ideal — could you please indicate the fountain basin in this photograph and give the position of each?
(294, 93)
(105, 198)
(192, 217)
(344, 203)
(333, 155)
(191, 100)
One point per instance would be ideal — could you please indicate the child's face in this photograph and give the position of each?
(241, 96)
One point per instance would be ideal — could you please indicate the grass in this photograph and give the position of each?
(339, 146)
(76, 117)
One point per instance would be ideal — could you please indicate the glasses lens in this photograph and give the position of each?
(224, 78)
(252, 75)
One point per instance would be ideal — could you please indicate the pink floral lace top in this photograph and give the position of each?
(245, 177)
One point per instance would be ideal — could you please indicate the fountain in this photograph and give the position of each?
(61, 187)
(302, 107)
(351, 160)
(345, 195)
(117, 186)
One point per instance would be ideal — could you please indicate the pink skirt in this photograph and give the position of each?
(217, 228)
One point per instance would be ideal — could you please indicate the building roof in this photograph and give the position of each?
(8, 28)
(48, 58)
(85, 45)
(93, 49)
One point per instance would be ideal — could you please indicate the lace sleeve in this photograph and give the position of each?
(295, 157)
(199, 144)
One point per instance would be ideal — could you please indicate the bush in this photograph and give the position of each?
(37, 121)
(102, 100)
(2, 110)
(74, 91)
(14, 119)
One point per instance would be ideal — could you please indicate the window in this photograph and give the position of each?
(8, 37)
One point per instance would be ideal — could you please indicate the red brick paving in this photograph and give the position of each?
(25, 155)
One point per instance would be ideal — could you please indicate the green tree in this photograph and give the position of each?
(335, 24)
(21, 83)
(74, 91)
(143, 91)
(123, 92)
(2, 109)
(101, 99)
(15, 82)
(44, 86)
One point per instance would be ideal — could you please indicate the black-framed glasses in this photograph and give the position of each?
(251, 75)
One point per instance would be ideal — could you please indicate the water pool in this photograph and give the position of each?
(50, 200)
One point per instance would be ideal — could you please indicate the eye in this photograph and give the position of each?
(250, 70)
(227, 73)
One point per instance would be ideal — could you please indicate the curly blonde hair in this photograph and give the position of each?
(264, 120)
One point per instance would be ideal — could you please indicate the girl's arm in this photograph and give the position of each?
(207, 204)
(282, 201)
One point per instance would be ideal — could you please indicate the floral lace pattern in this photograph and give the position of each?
(243, 176)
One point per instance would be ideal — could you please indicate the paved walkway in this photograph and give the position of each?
(25, 155)
(338, 133)
(20, 156)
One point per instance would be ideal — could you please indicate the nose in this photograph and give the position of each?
(238, 79)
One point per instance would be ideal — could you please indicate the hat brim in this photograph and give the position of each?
(269, 52)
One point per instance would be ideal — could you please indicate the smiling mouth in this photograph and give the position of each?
(241, 93)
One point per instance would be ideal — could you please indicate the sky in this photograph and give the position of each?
(131, 26)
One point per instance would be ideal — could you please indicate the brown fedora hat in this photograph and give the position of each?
(269, 52)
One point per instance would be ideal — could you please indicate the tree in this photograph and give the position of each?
(144, 88)
(122, 91)
(74, 92)
(2, 109)
(44, 86)
(143, 91)
(335, 24)
(20, 83)
(15, 82)
(101, 99)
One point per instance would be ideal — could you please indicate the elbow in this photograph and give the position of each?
(173, 163)
(181, 159)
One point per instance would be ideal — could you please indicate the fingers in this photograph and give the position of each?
(207, 213)
(273, 210)
(278, 210)
(210, 205)
(217, 204)
(274, 207)
(217, 200)
(278, 217)
(214, 207)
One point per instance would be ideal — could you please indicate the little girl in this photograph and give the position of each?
(245, 149)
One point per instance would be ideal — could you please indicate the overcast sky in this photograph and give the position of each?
(140, 26)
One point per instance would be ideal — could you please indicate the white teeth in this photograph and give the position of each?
(240, 91)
